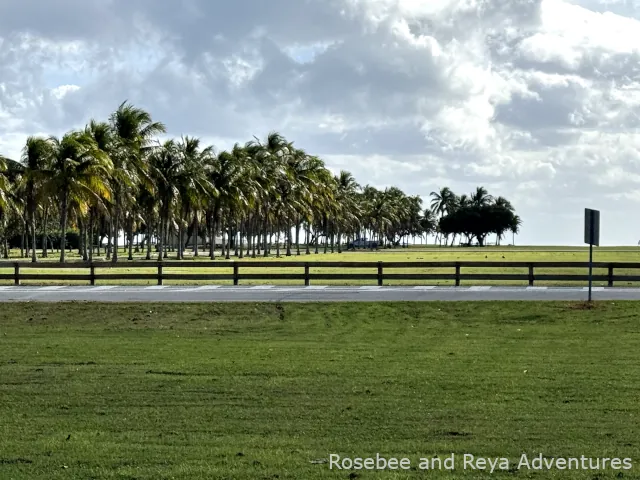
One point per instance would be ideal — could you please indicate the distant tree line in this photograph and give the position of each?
(114, 180)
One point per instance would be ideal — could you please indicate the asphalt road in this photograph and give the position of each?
(214, 293)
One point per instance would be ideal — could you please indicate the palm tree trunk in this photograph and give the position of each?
(22, 242)
(308, 239)
(165, 239)
(256, 238)
(248, 231)
(227, 255)
(44, 232)
(238, 238)
(298, 236)
(149, 236)
(278, 238)
(32, 220)
(160, 237)
(82, 226)
(27, 232)
(212, 239)
(116, 228)
(27, 235)
(266, 236)
(216, 226)
(82, 239)
(91, 220)
(196, 233)
(110, 238)
(224, 239)
(63, 224)
(180, 244)
(288, 237)
(130, 235)
(241, 233)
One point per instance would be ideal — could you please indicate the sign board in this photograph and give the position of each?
(591, 227)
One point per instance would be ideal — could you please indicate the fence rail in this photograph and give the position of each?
(379, 271)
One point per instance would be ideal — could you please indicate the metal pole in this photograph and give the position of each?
(590, 267)
(591, 225)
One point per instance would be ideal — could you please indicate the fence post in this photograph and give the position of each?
(457, 274)
(380, 274)
(610, 282)
(235, 273)
(531, 275)
(16, 274)
(92, 274)
(159, 274)
(306, 274)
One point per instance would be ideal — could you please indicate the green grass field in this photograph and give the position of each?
(516, 254)
(255, 391)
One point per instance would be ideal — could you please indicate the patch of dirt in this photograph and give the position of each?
(585, 305)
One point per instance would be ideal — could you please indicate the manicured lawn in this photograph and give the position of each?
(255, 391)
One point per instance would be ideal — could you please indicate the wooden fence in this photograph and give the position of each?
(377, 271)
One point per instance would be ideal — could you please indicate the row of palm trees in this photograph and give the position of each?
(114, 180)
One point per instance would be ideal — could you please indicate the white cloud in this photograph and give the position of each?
(535, 99)
(61, 91)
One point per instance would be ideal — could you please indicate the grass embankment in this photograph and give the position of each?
(436, 254)
(254, 391)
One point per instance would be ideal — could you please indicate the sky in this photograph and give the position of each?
(536, 100)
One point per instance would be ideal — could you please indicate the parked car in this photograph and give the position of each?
(362, 243)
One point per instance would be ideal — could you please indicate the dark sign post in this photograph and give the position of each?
(591, 236)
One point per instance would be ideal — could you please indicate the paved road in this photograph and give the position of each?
(216, 293)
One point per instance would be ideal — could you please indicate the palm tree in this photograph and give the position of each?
(442, 203)
(36, 156)
(346, 200)
(134, 132)
(5, 204)
(194, 186)
(428, 221)
(503, 203)
(5, 188)
(480, 197)
(269, 160)
(11, 197)
(167, 169)
(79, 173)
(515, 227)
(103, 135)
(4, 183)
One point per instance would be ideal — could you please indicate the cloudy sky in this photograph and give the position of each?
(537, 100)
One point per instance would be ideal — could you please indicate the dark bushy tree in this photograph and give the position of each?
(477, 222)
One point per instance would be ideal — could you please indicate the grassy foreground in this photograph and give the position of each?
(256, 391)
